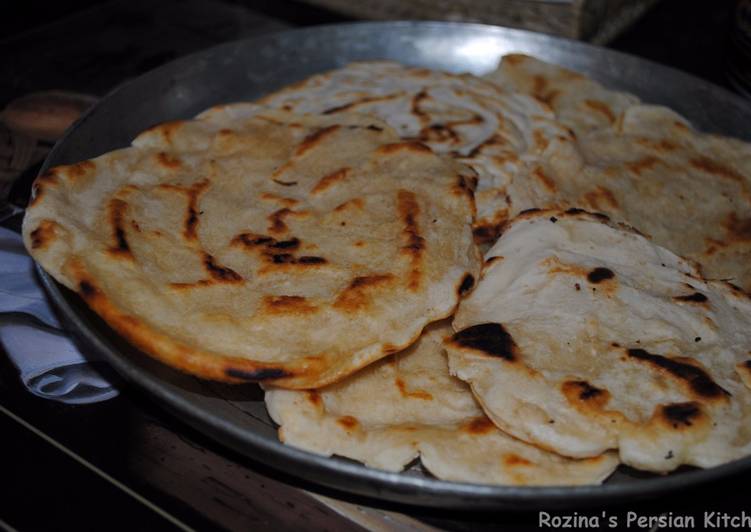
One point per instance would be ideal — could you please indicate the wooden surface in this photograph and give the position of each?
(128, 465)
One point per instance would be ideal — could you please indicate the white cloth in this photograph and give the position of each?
(50, 366)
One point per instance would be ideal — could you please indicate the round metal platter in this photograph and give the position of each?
(245, 70)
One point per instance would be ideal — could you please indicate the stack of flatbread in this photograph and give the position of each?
(642, 164)
(501, 134)
(325, 241)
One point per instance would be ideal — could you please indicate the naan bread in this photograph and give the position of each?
(579, 103)
(689, 191)
(259, 245)
(498, 133)
(584, 336)
(408, 405)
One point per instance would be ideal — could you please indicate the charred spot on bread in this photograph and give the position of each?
(489, 338)
(681, 414)
(220, 273)
(292, 243)
(600, 274)
(87, 289)
(698, 380)
(468, 281)
(311, 260)
(696, 297)
(583, 393)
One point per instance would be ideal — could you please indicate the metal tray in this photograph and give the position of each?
(244, 70)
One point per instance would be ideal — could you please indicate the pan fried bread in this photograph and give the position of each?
(500, 134)
(259, 245)
(407, 406)
(641, 164)
(584, 336)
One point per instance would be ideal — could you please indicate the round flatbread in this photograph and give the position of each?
(498, 133)
(407, 406)
(583, 336)
(579, 103)
(250, 244)
(642, 164)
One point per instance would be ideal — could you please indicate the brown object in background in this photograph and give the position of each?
(597, 21)
(28, 127)
(45, 115)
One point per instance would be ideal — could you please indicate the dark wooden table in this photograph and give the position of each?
(126, 464)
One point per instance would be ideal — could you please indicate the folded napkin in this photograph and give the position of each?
(50, 365)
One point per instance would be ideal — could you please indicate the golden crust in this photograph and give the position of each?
(278, 249)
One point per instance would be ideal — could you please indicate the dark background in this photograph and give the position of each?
(91, 46)
(689, 35)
